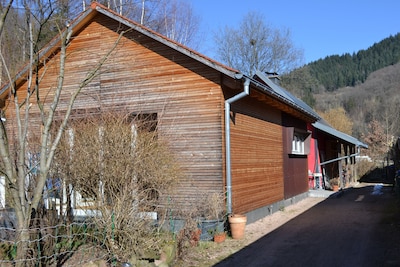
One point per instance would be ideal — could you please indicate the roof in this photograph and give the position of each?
(284, 95)
(320, 125)
(96, 8)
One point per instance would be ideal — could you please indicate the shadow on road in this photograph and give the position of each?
(356, 227)
(384, 175)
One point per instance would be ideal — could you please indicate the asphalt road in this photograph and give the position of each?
(357, 227)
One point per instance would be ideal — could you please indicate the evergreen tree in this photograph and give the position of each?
(336, 71)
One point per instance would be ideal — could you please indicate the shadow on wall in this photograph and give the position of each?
(380, 175)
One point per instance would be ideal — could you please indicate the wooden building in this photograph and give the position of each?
(332, 155)
(231, 133)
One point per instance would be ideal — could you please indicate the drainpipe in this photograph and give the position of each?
(228, 102)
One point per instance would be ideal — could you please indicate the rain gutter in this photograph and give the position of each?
(228, 102)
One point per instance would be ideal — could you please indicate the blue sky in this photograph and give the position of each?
(319, 27)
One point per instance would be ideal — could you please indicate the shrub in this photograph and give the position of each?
(124, 171)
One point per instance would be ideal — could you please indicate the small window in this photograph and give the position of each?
(144, 122)
(298, 144)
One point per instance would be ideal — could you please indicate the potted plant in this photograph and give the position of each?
(335, 182)
(212, 215)
(219, 237)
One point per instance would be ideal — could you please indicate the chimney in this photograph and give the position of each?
(274, 77)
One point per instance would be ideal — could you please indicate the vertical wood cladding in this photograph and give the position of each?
(296, 175)
(295, 166)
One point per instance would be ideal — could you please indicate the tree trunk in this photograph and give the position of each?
(22, 239)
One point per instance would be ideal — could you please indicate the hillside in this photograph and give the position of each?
(335, 71)
(366, 84)
(378, 98)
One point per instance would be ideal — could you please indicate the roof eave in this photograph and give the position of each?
(268, 88)
(339, 135)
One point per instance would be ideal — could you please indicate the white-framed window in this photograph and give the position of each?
(298, 144)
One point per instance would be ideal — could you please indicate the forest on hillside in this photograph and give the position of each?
(366, 85)
(335, 71)
(377, 99)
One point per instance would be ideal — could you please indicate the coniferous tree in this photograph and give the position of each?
(336, 71)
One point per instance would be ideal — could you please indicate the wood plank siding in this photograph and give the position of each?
(256, 155)
(145, 76)
(295, 166)
(149, 74)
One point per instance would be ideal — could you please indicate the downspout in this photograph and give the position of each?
(228, 102)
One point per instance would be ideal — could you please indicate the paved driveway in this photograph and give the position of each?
(358, 227)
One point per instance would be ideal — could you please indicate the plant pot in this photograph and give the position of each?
(209, 227)
(237, 223)
(220, 237)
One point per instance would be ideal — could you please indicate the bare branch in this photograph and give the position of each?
(257, 46)
(4, 16)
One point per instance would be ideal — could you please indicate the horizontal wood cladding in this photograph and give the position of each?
(134, 79)
(256, 159)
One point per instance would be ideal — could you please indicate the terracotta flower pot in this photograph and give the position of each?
(219, 238)
(209, 227)
(237, 223)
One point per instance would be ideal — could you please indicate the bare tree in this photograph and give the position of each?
(175, 19)
(27, 149)
(387, 114)
(376, 140)
(257, 46)
(338, 119)
(41, 16)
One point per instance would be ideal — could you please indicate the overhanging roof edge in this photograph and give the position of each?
(345, 137)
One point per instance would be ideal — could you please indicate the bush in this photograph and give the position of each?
(125, 172)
